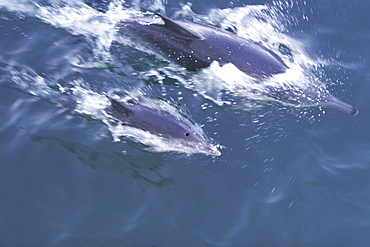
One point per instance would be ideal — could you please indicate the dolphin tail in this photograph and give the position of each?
(342, 106)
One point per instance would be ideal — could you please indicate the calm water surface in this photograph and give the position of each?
(286, 177)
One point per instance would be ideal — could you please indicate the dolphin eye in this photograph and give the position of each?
(187, 134)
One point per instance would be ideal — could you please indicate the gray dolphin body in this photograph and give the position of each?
(196, 46)
(175, 129)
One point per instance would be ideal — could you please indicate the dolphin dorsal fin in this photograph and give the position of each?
(119, 106)
(177, 28)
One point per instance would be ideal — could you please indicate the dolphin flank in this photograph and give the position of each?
(196, 46)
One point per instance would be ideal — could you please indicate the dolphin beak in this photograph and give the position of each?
(216, 152)
(342, 106)
(211, 150)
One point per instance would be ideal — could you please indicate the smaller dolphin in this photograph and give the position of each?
(170, 128)
(197, 46)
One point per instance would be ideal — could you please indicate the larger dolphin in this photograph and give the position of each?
(196, 46)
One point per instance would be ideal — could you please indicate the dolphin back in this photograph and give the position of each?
(196, 46)
(156, 121)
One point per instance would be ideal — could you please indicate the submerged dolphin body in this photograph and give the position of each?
(175, 131)
(196, 46)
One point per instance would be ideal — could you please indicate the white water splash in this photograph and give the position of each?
(100, 29)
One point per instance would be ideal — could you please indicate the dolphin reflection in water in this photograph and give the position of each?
(196, 46)
(163, 129)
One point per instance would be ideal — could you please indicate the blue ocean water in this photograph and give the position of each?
(286, 177)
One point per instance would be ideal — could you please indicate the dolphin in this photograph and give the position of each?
(196, 46)
(177, 132)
